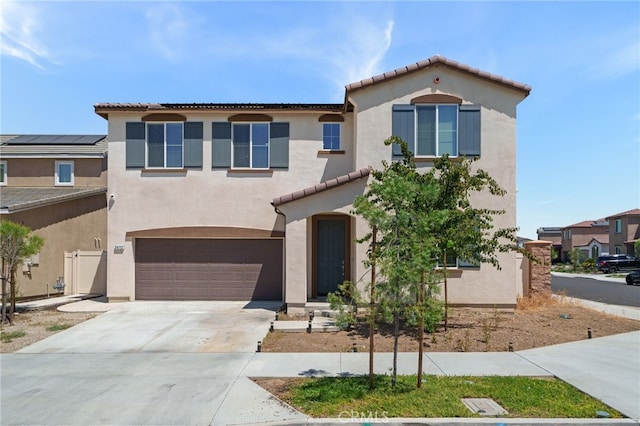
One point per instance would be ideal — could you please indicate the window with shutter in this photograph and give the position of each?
(434, 130)
(242, 145)
(163, 145)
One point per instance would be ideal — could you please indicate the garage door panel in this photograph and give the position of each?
(156, 292)
(187, 269)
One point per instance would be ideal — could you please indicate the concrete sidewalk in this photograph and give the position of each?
(607, 368)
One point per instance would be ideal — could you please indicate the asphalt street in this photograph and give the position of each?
(615, 293)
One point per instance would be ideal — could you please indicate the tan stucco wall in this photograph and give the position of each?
(68, 226)
(298, 276)
(40, 172)
(498, 157)
(582, 236)
(207, 197)
(630, 232)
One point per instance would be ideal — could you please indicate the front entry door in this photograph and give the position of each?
(331, 253)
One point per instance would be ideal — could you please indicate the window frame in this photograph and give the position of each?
(618, 226)
(251, 125)
(324, 136)
(165, 145)
(3, 172)
(437, 133)
(59, 163)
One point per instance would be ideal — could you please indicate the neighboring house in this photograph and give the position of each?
(595, 247)
(522, 240)
(591, 237)
(56, 185)
(554, 235)
(253, 201)
(624, 231)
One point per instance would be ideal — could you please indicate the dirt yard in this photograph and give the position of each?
(38, 325)
(533, 324)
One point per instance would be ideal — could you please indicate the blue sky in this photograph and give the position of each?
(578, 131)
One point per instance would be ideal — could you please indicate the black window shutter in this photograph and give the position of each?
(221, 145)
(469, 130)
(279, 149)
(193, 144)
(134, 145)
(403, 126)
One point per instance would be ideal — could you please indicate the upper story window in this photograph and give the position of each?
(331, 136)
(64, 173)
(250, 145)
(433, 130)
(170, 145)
(436, 130)
(3, 172)
(164, 145)
(618, 226)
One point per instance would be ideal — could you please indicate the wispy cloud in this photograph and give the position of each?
(167, 30)
(357, 50)
(19, 26)
(363, 50)
(614, 55)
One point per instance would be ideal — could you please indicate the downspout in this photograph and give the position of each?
(284, 254)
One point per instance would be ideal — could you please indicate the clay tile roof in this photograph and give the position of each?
(632, 212)
(102, 109)
(321, 187)
(588, 224)
(434, 60)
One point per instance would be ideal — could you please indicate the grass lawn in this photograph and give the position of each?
(440, 397)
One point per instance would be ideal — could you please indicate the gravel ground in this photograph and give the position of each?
(37, 325)
(547, 322)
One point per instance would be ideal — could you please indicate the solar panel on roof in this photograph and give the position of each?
(55, 140)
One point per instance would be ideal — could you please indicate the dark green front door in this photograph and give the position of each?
(330, 255)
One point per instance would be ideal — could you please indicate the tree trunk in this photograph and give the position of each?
(396, 335)
(12, 308)
(446, 296)
(372, 307)
(4, 292)
(421, 330)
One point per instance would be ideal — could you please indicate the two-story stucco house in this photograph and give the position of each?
(591, 237)
(56, 185)
(624, 231)
(253, 201)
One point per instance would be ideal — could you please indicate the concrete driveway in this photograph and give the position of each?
(143, 363)
(175, 327)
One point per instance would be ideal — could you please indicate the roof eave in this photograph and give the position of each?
(432, 61)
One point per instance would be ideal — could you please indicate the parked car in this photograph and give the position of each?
(633, 278)
(616, 262)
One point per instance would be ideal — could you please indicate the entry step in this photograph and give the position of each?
(319, 324)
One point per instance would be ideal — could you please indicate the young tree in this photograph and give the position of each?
(467, 232)
(16, 243)
(391, 206)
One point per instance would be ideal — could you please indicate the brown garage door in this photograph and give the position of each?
(192, 269)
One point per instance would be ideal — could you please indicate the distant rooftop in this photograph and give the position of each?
(16, 199)
(53, 140)
(632, 212)
(59, 146)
